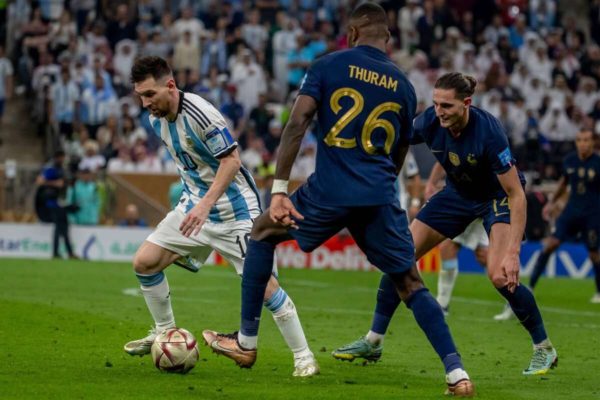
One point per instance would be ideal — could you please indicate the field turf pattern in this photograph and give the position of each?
(64, 323)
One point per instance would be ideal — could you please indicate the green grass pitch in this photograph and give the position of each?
(63, 325)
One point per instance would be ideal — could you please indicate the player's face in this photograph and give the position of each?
(584, 141)
(450, 110)
(156, 96)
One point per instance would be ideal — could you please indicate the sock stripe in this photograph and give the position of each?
(276, 301)
(450, 264)
(151, 280)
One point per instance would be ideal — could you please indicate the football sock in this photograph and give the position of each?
(446, 281)
(538, 269)
(597, 276)
(286, 318)
(430, 318)
(387, 303)
(155, 289)
(525, 308)
(257, 271)
(375, 338)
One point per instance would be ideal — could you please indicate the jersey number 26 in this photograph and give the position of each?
(372, 122)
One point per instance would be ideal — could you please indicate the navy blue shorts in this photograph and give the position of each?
(381, 232)
(449, 213)
(572, 226)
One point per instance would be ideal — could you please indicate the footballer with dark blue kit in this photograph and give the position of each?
(482, 182)
(581, 215)
(365, 107)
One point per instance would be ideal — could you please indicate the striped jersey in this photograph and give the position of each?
(197, 139)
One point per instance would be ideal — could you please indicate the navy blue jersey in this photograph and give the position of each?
(365, 111)
(583, 177)
(471, 160)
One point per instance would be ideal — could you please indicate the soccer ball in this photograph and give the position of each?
(175, 350)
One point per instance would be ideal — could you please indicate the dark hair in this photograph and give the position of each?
(463, 84)
(373, 11)
(149, 66)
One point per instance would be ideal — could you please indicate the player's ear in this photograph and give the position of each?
(468, 101)
(171, 84)
(352, 35)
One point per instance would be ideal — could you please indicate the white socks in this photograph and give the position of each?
(287, 320)
(247, 342)
(158, 300)
(446, 280)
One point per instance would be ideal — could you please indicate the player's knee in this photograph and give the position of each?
(143, 264)
(551, 245)
(595, 257)
(498, 279)
(407, 283)
(481, 255)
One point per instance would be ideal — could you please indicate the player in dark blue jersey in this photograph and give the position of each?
(481, 182)
(581, 215)
(364, 107)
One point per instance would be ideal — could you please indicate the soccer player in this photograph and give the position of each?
(474, 237)
(482, 182)
(581, 215)
(364, 106)
(215, 212)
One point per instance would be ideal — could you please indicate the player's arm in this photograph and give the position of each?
(435, 181)
(558, 193)
(517, 203)
(302, 114)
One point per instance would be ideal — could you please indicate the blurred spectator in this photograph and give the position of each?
(132, 217)
(145, 161)
(188, 23)
(63, 109)
(284, 42)
(407, 22)
(125, 53)
(260, 116)
(62, 32)
(252, 156)
(122, 27)
(186, 56)
(6, 81)
(91, 159)
(249, 79)
(122, 163)
(84, 200)
(587, 94)
(214, 53)
(299, 59)
(254, 33)
(157, 45)
(98, 102)
(273, 137)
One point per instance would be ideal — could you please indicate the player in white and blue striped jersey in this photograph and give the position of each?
(215, 212)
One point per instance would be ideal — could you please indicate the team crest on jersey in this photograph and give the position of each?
(454, 159)
(471, 159)
(581, 172)
(189, 141)
(591, 174)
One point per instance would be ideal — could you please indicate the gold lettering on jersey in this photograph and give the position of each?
(591, 174)
(471, 159)
(454, 159)
(372, 77)
(581, 172)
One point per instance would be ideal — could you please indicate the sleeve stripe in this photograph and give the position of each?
(196, 119)
(192, 107)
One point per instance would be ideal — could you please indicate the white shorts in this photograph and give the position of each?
(230, 239)
(474, 236)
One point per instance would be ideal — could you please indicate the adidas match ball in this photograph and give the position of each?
(175, 350)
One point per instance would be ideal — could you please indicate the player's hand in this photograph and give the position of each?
(283, 212)
(548, 211)
(193, 221)
(511, 266)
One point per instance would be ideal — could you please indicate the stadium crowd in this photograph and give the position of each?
(538, 71)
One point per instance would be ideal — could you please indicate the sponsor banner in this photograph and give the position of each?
(338, 253)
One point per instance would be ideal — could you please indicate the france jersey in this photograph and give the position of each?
(471, 160)
(583, 177)
(365, 111)
(196, 139)
(581, 216)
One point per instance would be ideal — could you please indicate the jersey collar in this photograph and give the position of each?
(180, 105)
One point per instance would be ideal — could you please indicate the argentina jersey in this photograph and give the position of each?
(196, 139)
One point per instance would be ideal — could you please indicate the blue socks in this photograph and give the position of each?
(525, 308)
(538, 269)
(430, 318)
(150, 280)
(388, 301)
(257, 271)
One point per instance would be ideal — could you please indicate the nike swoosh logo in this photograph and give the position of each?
(505, 213)
(437, 151)
(215, 345)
